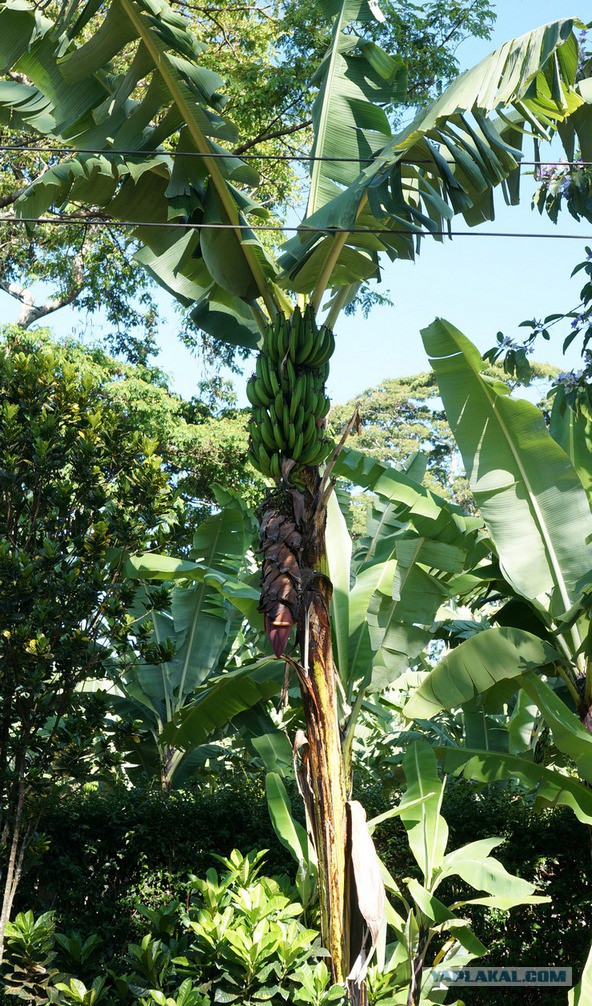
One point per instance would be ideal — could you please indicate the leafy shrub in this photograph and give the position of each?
(109, 852)
(239, 939)
(112, 850)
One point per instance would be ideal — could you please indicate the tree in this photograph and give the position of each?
(77, 482)
(202, 442)
(370, 192)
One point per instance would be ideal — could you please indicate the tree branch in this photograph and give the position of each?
(274, 135)
(31, 311)
(11, 198)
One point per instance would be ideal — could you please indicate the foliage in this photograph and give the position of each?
(448, 160)
(220, 276)
(190, 641)
(31, 973)
(111, 852)
(423, 924)
(95, 268)
(571, 387)
(238, 939)
(404, 415)
(113, 849)
(79, 483)
(566, 184)
(202, 442)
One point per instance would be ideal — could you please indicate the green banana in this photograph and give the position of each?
(264, 460)
(286, 424)
(309, 393)
(291, 437)
(266, 432)
(271, 339)
(295, 335)
(278, 406)
(275, 466)
(284, 339)
(290, 374)
(319, 354)
(305, 348)
(297, 448)
(310, 429)
(300, 417)
(251, 393)
(296, 397)
(273, 378)
(279, 441)
(262, 368)
(325, 406)
(261, 392)
(308, 455)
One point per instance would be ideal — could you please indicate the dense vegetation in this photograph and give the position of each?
(412, 666)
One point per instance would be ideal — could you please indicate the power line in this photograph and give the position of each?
(84, 222)
(43, 149)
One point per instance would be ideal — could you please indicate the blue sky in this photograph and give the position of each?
(480, 284)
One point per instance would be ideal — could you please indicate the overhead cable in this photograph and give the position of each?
(46, 149)
(281, 228)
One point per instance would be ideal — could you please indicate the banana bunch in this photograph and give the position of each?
(287, 392)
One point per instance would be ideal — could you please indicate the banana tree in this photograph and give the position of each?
(537, 510)
(121, 86)
(193, 666)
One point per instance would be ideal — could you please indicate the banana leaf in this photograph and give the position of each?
(524, 484)
(552, 788)
(450, 158)
(500, 654)
(221, 700)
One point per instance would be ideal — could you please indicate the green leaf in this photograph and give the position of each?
(523, 483)
(338, 546)
(387, 815)
(473, 864)
(227, 318)
(574, 434)
(568, 733)
(427, 831)
(221, 700)
(582, 993)
(290, 832)
(521, 724)
(90, 106)
(275, 751)
(354, 77)
(480, 662)
(455, 153)
(443, 917)
(153, 566)
(552, 787)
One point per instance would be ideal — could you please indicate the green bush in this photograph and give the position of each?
(238, 939)
(109, 852)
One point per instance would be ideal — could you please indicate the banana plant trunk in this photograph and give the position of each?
(322, 774)
(288, 443)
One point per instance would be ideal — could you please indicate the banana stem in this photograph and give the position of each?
(330, 262)
(226, 198)
(342, 298)
(333, 254)
(259, 317)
